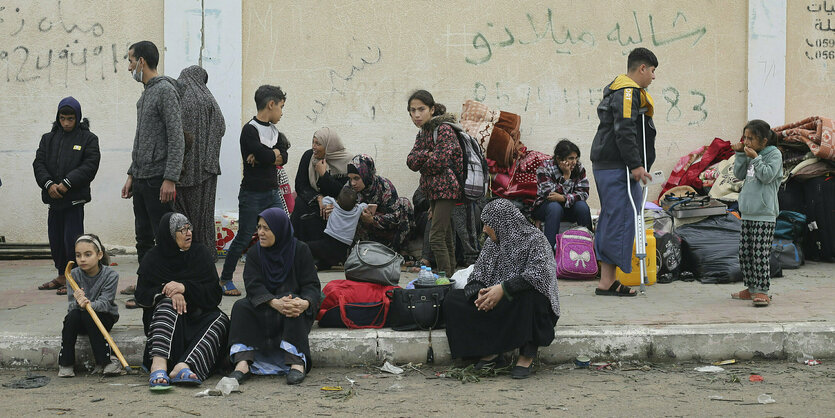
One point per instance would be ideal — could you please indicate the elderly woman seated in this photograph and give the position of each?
(270, 326)
(178, 288)
(511, 299)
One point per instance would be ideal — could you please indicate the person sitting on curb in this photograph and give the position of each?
(511, 299)
(270, 326)
(180, 292)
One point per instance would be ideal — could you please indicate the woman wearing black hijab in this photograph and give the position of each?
(271, 325)
(179, 289)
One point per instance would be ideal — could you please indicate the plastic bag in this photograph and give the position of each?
(460, 277)
(710, 249)
(668, 254)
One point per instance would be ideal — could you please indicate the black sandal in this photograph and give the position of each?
(519, 372)
(617, 289)
(240, 376)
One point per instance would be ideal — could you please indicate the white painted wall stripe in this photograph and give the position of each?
(767, 61)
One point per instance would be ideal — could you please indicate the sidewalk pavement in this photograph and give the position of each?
(671, 322)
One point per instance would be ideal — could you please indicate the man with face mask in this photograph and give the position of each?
(65, 164)
(158, 146)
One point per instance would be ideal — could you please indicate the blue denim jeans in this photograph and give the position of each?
(552, 213)
(250, 204)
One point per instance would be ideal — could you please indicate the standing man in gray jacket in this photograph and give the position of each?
(158, 147)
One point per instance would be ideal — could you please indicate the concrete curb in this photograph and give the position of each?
(340, 347)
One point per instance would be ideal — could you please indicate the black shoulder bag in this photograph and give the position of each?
(418, 309)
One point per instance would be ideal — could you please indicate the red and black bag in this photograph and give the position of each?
(351, 304)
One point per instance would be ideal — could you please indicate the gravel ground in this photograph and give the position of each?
(617, 390)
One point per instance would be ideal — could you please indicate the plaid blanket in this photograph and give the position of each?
(817, 132)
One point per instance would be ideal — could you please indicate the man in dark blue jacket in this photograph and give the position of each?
(623, 149)
(65, 164)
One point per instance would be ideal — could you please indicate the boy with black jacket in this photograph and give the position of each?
(623, 149)
(65, 164)
(263, 147)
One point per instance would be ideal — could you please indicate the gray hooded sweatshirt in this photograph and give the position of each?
(158, 146)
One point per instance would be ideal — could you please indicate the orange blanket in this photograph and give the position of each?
(817, 132)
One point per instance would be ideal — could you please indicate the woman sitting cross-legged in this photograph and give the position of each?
(511, 298)
(179, 289)
(270, 326)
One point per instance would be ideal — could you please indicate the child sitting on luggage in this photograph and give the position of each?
(97, 287)
(340, 229)
(760, 165)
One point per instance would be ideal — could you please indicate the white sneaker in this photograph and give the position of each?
(114, 368)
(66, 371)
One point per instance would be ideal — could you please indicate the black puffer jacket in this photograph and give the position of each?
(71, 158)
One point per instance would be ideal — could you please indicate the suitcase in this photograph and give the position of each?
(792, 197)
(819, 243)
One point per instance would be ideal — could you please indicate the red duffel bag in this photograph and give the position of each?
(350, 304)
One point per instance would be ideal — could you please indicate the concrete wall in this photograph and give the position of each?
(810, 59)
(351, 66)
(51, 49)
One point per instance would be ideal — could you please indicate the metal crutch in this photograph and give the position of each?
(640, 234)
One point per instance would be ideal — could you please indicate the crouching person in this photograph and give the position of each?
(97, 287)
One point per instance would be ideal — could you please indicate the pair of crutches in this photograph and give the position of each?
(640, 234)
(96, 319)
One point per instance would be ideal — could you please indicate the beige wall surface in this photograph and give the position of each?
(352, 66)
(52, 49)
(810, 59)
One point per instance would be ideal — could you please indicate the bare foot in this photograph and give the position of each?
(177, 368)
(524, 361)
(242, 367)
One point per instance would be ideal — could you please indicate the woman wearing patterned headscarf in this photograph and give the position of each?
(203, 121)
(271, 325)
(392, 220)
(511, 299)
(179, 289)
(322, 172)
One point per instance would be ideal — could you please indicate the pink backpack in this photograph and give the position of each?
(574, 252)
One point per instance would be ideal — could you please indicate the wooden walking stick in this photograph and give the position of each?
(95, 317)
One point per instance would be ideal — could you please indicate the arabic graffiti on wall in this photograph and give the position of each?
(822, 46)
(340, 79)
(82, 48)
(677, 105)
(628, 34)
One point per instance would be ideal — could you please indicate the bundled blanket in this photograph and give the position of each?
(817, 132)
(689, 167)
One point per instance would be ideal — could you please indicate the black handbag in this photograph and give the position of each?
(414, 309)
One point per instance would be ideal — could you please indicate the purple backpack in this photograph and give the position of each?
(574, 252)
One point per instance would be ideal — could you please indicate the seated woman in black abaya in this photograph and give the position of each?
(270, 326)
(179, 290)
(511, 300)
